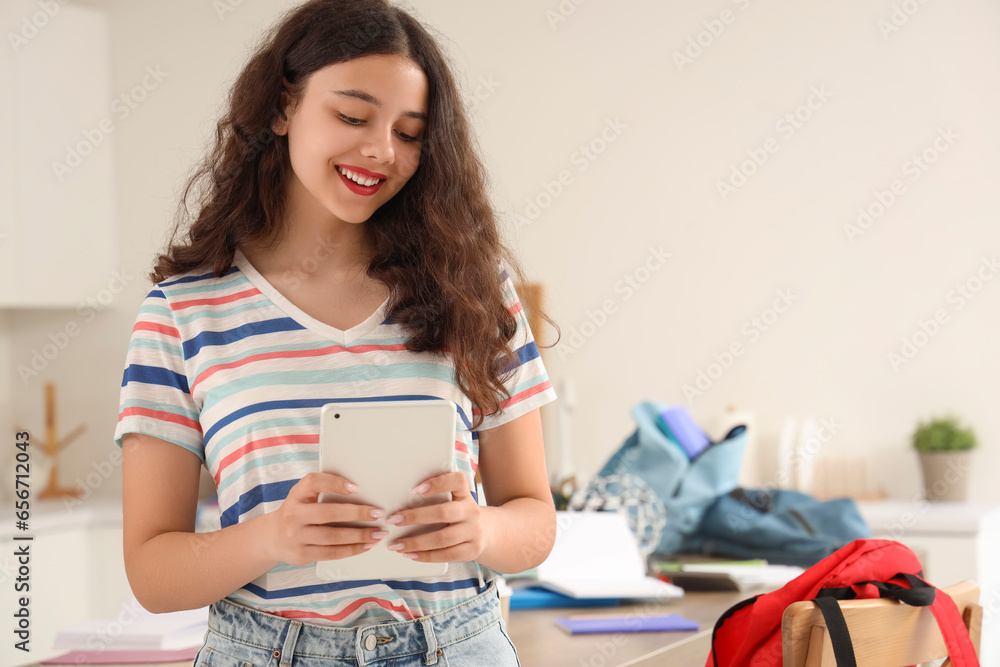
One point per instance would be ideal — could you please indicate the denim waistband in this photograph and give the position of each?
(285, 637)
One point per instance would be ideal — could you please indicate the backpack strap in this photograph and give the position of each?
(956, 636)
(722, 619)
(921, 594)
(840, 636)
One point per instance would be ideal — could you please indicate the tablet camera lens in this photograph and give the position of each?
(336, 415)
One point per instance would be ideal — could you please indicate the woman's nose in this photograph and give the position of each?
(379, 146)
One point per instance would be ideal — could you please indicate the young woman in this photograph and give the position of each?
(344, 248)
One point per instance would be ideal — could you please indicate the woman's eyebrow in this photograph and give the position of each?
(371, 99)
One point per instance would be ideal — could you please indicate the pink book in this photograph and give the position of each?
(124, 658)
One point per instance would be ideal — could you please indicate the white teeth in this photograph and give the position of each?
(357, 178)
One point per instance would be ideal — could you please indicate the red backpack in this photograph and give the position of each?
(749, 633)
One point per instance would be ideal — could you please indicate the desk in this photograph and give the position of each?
(541, 644)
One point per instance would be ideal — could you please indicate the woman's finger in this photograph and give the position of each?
(436, 539)
(317, 513)
(451, 511)
(323, 536)
(466, 551)
(453, 482)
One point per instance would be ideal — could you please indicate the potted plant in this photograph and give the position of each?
(945, 448)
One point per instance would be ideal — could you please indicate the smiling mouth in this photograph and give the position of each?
(363, 181)
(356, 186)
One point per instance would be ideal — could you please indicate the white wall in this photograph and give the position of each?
(680, 132)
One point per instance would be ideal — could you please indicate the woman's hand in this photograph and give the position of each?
(299, 536)
(462, 540)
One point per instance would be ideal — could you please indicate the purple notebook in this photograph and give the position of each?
(682, 429)
(604, 624)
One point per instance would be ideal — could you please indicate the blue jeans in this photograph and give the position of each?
(472, 633)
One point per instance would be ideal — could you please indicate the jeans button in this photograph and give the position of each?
(370, 642)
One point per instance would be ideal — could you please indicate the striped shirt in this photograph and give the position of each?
(232, 371)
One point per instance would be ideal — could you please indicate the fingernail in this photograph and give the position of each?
(422, 488)
(394, 519)
(351, 487)
(379, 534)
(377, 514)
(369, 545)
(395, 546)
(411, 556)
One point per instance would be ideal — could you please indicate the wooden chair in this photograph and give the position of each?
(885, 632)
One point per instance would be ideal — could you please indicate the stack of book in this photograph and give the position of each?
(134, 637)
(727, 575)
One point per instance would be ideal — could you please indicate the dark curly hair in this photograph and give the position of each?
(436, 243)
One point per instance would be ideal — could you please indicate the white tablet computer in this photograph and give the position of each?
(386, 448)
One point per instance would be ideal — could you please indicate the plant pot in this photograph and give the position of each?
(946, 475)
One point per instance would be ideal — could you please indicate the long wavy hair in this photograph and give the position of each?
(436, 243)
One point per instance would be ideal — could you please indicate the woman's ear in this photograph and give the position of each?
(280, 125)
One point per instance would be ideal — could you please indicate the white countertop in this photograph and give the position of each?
(48, 516)
(922, 517)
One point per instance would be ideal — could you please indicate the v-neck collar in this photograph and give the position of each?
(278, 299)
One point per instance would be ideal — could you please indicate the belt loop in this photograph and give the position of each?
(359, 649)
(288, 649)
(431, 657)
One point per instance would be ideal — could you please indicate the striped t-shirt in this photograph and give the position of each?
(231, 370)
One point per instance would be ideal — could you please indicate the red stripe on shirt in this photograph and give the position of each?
(157, 328)
(229, 298)
(292, 354)
(517, 398)
(263, 443)
(162, 416)
(346, 611)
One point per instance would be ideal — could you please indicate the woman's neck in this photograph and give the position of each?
(314, 243)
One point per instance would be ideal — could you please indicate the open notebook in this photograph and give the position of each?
(596, 556)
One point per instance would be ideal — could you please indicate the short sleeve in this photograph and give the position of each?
(155, 394)
(529, 384)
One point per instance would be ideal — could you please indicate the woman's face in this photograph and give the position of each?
(365, 119)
